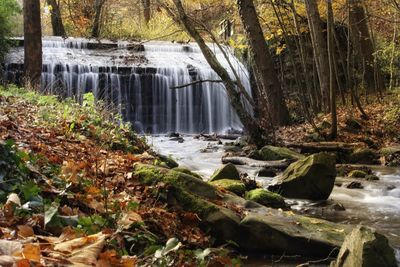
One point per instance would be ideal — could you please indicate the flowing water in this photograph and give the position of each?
(137, 79)
(376, 205)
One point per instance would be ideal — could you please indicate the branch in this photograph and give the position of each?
(196, 82)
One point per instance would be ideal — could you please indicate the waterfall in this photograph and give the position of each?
(138, 82)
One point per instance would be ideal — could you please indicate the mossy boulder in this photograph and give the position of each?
(266, 198)
(357, 174)
(364, 156)
(390, 156)
(187, 171)
(168, 162)
(234, 186)
(285, 232)
(309, 178)
(278, 153)
(228, 171)
(364, 247)
(372, 177)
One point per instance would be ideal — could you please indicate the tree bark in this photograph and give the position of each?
(146, 10)
(56, 19)
(359, 25)
(98, 7)
(319, 49)
(32, 44)
(263, 65)
(332, 72)
(234, 95)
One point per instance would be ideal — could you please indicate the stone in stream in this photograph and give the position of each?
(390, 156)
(309, 178)
(357, 174)
(234, 186)
(364, 156)
(364, 247)
(269, 153)
(228, 171)
(259, 229)
(266, 198)
(355, 185)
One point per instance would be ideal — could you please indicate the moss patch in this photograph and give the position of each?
(228, 171)
(233, 186)
(266, 198)
(187, 171)
(357, 174)
(278, 153)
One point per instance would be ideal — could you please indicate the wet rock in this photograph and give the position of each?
(309, 178)
(266, 198)
(228, 171)
(169, 161)
(355, 185)
(364, 156)
(338, 207)
(372, 177)
(357, 174)
(353, 125)
(234, 186)
(390, 187)
(269, 153)
(345, 170)
(266, 172)
(364, 247)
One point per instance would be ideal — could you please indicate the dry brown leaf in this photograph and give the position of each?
(128, 219)
(10, 247)
(31, 252)
(25, 231)
(7, 261)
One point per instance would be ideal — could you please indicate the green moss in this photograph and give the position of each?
(357, 174)
(364, 156)
(371, 177)
(387, 151)
(187, 171)
(266, 198)
(228, 171)
(278, 153)
(233, 186)
(147, 175)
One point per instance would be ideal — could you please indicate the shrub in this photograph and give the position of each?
(8, 10)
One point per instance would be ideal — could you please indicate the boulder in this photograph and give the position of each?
(390, 156)
(309, 178)
(355, 185)
(277, 153)
(364, 247)
(187, 171)
(227, 171)
(372, 177)
(234, 186)
(168, 161)
(357, 174)
(266, 198)
(364, 156)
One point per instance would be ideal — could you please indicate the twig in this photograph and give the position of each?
(196, 82)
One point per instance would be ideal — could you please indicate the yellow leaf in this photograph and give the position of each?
(31, 252)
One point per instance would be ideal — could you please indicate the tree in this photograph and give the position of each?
(98, 8)
(319, 49)
(250, 124)
(146, 10)
(32, 43)
(8, 9)
(56, 19)
(269, 88)
(332, 72)
(363, 42)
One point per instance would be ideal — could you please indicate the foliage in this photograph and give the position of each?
(8, 9)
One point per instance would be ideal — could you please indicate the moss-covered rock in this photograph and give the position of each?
(372, 177)
(228, 171)
(309, 178)
(357, 174)
(390, 156)
(187, 171)
(278, 153)
(234, 186)
(286, 232)
(266, 198)
(168, 161)
(364, 247)
(364, 156)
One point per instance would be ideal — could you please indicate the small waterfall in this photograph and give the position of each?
(139, 82)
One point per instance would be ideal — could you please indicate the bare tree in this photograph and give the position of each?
(146, 10)
(98, 8)
(332, 74)
(32, 43)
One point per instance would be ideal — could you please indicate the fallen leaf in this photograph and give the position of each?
(128, 219)
(7, 261)
(10, 247)
(25, 231)
(14, 198)
(31, 252)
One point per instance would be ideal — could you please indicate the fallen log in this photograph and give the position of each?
(278, 164)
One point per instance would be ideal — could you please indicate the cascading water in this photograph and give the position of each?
(138, 79)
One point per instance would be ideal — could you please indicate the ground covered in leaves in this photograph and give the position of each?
(68, 196)
(379, 129)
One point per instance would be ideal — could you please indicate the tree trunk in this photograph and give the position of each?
(320, 49)
(56, 19)
(98, 7)
(234, 95)
(32, 44)
(146, 11)
(332, 76)
(359, 25)
(266, 76)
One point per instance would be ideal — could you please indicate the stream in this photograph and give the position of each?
(376, 205)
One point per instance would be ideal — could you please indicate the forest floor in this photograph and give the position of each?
(69, 197)
(379, 130)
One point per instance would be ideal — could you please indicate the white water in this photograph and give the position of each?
(139, 83)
